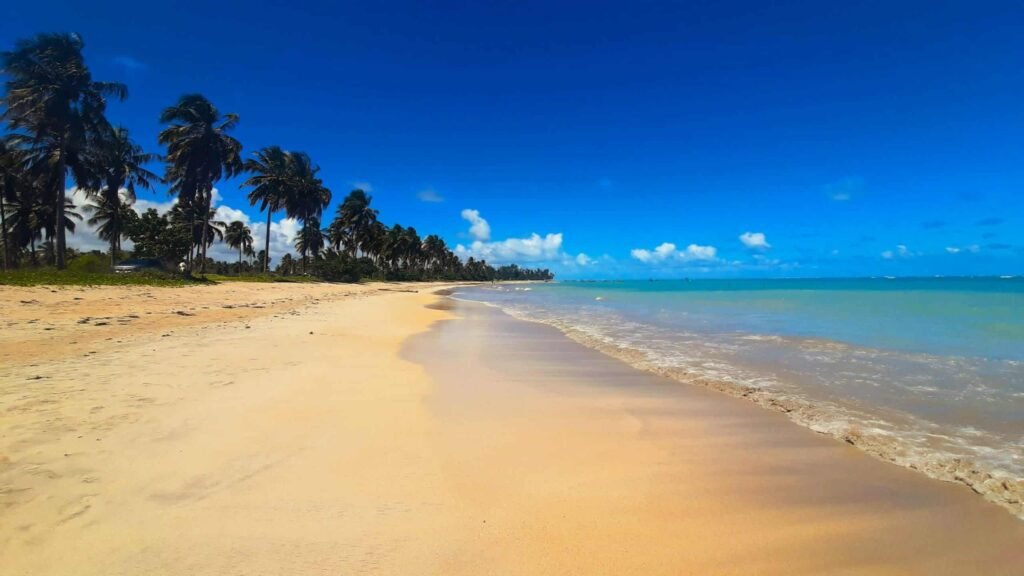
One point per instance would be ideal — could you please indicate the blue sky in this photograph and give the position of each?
(885, 138)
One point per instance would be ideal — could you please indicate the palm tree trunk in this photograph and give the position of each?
(3, 229)
(202, 237)
(191, 238)
(266, 250)
(59, 207)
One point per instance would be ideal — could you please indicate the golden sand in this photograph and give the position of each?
(306, 433)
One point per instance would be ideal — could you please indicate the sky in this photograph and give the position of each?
(611, 139)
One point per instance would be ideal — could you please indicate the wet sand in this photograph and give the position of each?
(582, 464)
(348, 430)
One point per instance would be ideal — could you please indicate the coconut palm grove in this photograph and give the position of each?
(56, 131)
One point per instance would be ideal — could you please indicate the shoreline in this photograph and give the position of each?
(1001, 489)
(686, 463)
(392, 432)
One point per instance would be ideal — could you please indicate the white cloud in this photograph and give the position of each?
(141, 205)
(695, 252)
(227, 215)
(667, 252)
(583, 260)
(755, 240)
(663, 252)
(973, 249)
(429, 195)
(479, 229)
(900, 252)
(535, 248)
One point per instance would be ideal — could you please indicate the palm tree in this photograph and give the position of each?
(204, 229)
(352, 223)
(110, 217)
(434, 250)
(66, 220)
(310, 239)
(56, 111)
(272, 173)
(287, 265)
(238, 236)
(24, 211)
(199, 153)
(122, 168)
(308, 196)
(12, 173)
(306, 199)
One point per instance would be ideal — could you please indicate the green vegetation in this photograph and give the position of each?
(69, 277)
(55, 117)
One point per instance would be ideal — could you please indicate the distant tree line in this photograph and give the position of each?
(54, 114)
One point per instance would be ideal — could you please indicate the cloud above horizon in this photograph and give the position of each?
(901, 251)
(479, 229)
(972, 249)
(755, 240)
(533, 249)
(667, 252)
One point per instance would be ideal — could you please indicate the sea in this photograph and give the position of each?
(927, 373)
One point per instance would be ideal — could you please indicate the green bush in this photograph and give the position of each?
(90, 263)
(337, 268)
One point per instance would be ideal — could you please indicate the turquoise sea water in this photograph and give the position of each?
(928, 373)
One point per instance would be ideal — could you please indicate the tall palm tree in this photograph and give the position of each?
(122, 168)
(199, 153)
(310, 239)
(307, 199)
(271, 170)
(56, 111)
(110, 216)
(238, 236)
(308, 196)
(353, 221)
(24, 211)
(434, 250)
(204, 229)
(413, 248)
(66, 220)
(12, 173)
(287, 265)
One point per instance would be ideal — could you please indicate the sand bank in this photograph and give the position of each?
(334, 431)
